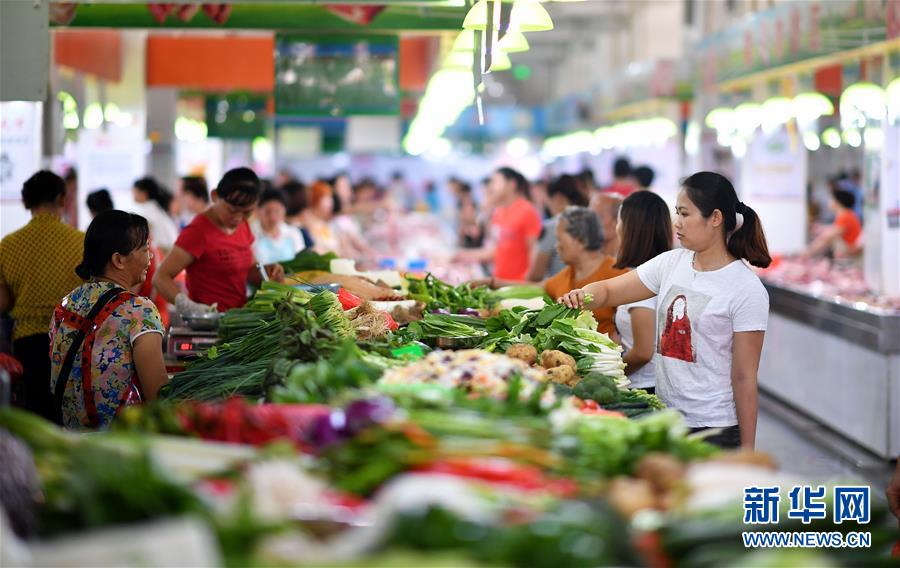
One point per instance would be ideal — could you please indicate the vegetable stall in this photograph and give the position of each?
(320, 431)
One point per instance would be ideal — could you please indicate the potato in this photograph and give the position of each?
(524, 352)
(553, 358)
(631, 496)
(563, 375)
(662, 471)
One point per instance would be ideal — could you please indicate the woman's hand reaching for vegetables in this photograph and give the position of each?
(578, 299)
(574, 299)
(275, 272)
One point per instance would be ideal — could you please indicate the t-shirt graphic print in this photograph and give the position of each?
(676, 336)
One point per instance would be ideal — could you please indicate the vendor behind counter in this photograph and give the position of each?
(216, 251)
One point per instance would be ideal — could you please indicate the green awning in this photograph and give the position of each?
(422, 16)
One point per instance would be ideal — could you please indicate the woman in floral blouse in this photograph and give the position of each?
(106, 342)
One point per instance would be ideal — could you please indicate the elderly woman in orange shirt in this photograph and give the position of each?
(580, 241)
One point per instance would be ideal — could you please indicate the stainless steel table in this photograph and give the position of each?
(837, 362)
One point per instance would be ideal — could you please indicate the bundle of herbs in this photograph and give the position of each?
(259, 309)
(240, 367)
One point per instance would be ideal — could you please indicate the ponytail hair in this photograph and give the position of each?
(743, 231)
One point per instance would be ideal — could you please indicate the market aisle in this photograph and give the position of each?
(804, 447)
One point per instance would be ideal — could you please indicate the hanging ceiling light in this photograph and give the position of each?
(721, 118)
(831, 138)
(775, 112)
(525, 16)
(465, 41)
(500, 62)
(514, 42)
(852, 137)
(747, 117)
(893, 98)
(861, 102)
(810, 106)
(811, 141)
(465, 59)
(511, 42)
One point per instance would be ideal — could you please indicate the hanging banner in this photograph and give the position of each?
(794, 31)
(336, 76)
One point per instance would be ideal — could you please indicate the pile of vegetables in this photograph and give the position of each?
(319, 381)
(259, 309)
(330, 314)
(438, 295)
(471, 370)
(240, 367)
(436, 326)
(84, 481)
(526, 451)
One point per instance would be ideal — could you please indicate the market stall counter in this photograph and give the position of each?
(845, 357)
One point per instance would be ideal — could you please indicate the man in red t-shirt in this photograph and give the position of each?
(515, 227)
(215, 250)
(843, 236)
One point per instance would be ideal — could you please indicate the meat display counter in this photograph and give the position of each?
(837, 362)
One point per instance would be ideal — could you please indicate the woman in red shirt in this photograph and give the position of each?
(843, 236)
(215, 250)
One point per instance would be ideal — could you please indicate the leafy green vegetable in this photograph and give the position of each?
(90, 482)
(436, 294)
(319, 381)
(521, 292)
(609, 446)
(652, 401)
(308, 260)
(434, 326)
(569, 533)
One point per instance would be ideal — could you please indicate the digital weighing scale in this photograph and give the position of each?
(186, 343)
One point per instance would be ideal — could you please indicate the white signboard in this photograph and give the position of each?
(773, 183)
(20, 157)
(20, 146)
(775, 166)
(112, 160)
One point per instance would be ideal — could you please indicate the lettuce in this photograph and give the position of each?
(585, 320)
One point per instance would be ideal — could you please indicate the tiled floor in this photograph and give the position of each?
(808, 449)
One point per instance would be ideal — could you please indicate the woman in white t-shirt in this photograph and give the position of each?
(712, 309)
(152, 201)
(644, 229)
(275, 240)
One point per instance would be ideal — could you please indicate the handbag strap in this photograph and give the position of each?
(83, 325)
